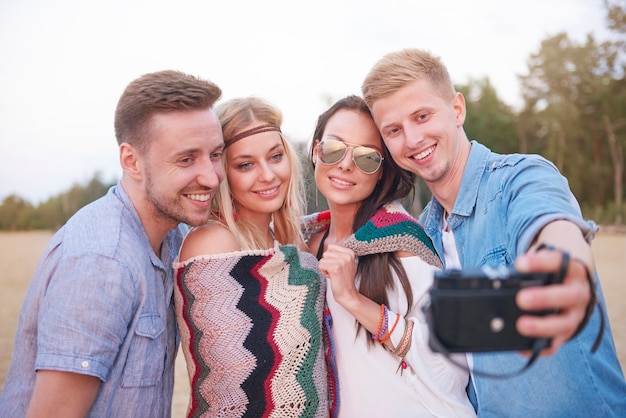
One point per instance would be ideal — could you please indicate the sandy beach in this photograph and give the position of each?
(20, 251)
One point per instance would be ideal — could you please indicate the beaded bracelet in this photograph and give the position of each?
(382, 323)
(393, 327)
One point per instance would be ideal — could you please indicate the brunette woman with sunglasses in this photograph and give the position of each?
(379, 264)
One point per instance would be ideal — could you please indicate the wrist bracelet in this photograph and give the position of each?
(382, 323)
(405, 343)
(393, 327)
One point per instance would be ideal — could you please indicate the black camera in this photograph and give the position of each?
(475, 310)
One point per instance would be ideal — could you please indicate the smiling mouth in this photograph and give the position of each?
(342, 182)
(424, 153)
(200, 197)
(268, 191)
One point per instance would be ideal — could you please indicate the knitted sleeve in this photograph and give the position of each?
(393, 229)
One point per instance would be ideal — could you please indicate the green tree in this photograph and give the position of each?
(614, 110)
(489, 120)
(11, 213)
(565, 91)
(616, 15)
(18, 214)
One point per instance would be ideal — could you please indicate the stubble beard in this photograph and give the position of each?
(170, 208)
(435, 174)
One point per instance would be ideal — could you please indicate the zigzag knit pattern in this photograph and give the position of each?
(393, 229)
(390, 229)
(251, 330)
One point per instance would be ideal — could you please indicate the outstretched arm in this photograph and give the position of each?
(570, 298)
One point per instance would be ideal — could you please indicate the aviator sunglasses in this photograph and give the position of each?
(366, 159)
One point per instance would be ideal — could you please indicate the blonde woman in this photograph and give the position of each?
(249, 302)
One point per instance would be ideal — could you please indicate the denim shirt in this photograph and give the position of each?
(503, 203)
(100, 303)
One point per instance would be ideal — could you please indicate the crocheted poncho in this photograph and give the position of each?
(251, 331)
(390, 229)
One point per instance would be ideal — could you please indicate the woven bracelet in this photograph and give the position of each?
(405, 343)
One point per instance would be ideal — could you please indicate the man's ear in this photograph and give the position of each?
(459, 106)
(130, 161)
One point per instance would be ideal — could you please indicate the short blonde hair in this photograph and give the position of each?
(398, 69)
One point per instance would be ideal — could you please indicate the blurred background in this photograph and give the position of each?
(539, 77)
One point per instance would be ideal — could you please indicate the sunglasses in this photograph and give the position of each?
(366, 159)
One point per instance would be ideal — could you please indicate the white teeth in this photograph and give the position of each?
(345, 183)
(266, 192)
(424, 154)
(200, 197)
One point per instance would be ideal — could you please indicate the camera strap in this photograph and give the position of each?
(538, 345)
(593, 300)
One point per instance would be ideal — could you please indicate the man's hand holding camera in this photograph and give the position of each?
(574, 299)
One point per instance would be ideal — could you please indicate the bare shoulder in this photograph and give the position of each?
(212, 238)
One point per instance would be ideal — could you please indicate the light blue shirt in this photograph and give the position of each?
(100, 303)
(503, 203)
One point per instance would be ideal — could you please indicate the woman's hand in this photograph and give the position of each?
(339, 265)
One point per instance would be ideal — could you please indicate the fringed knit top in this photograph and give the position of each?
(252, 334)
(391, 229)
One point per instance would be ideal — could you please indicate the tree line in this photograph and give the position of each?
(17, 213)
(573, 113)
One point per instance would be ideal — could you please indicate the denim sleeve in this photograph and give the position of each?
(537, 195)
(85, 315)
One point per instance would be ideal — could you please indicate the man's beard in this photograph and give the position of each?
(170, 208)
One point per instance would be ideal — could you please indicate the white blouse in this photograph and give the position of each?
(370, 383)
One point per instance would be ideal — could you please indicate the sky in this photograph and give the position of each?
(64, 63)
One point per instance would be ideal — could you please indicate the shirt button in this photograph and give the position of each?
(85, 364)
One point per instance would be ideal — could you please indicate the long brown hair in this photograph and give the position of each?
(396, 183)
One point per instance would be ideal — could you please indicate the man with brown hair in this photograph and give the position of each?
(97, 332)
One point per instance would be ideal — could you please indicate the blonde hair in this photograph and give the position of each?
(398, 69)
(235, 115)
